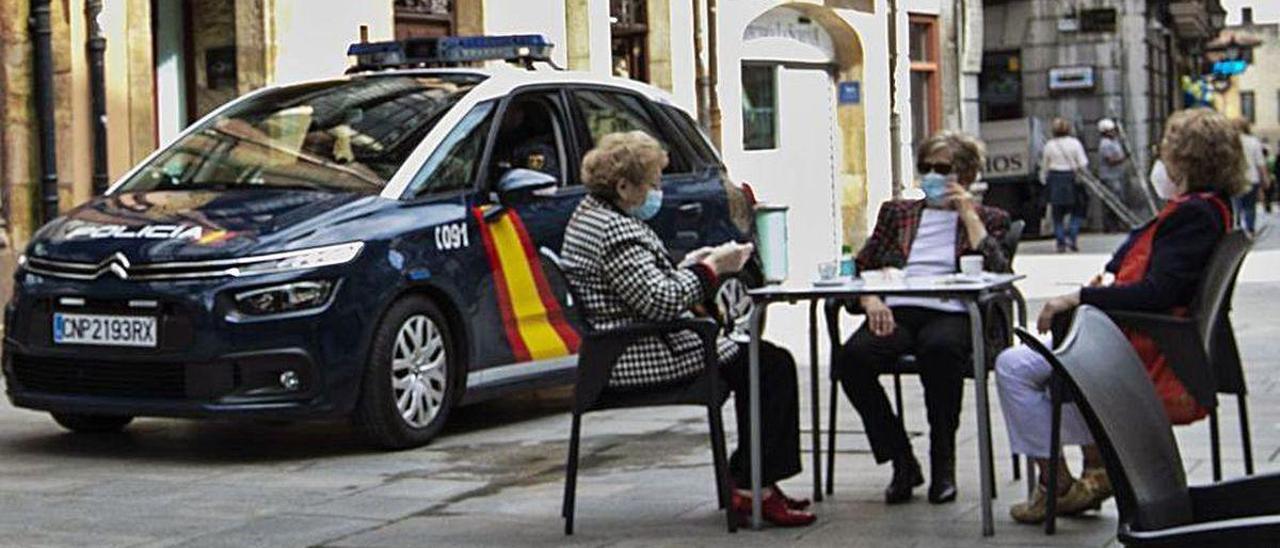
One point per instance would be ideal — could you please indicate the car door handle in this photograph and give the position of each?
(692, 209)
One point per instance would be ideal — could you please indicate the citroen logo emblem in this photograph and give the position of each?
(116, 264)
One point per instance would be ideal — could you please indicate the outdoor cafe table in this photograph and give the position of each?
(970, 291)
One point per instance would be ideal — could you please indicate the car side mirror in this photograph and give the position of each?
(525, 181)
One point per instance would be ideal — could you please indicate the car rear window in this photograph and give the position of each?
(341, 135)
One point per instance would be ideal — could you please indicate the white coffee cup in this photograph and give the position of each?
(971, 265)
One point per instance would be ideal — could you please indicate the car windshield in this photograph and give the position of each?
(342, 136)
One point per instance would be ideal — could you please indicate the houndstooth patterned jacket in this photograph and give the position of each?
(624, 275)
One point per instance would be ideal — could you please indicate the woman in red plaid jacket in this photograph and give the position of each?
(923, 237)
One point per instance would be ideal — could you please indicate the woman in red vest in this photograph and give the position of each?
(1157, 270)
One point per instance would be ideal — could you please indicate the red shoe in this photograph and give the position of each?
(774, 510)
(794, 504)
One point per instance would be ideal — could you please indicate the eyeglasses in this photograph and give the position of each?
(940, 168)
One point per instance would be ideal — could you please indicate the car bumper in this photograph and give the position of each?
(207, 363)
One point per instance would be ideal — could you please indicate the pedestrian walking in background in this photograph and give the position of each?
(1111, 158)
(1255, 173)
(1062, 158)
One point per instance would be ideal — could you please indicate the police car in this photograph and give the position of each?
(367, 246)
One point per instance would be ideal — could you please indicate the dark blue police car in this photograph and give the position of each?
(364, 246)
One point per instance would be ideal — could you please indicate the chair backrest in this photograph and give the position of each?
(1012, 237)
(564, 289)
(1212, 299)
(1211, 309)
(1110, 387)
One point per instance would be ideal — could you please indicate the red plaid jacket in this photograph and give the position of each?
(896, 225)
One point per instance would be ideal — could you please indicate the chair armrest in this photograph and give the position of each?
(1256, 531)
(599, 353)
(1147, 321)
(1249, 496)
(1182, 345)
(706, 328)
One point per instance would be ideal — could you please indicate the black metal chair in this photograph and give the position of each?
(1098, 367)
(998, 317)
(1201, 347)
(598, 353)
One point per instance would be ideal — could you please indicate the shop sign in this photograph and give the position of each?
(849, 93)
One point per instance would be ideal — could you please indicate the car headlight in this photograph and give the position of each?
(297, 260)
(290, 297)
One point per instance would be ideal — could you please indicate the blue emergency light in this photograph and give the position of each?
(449, 50)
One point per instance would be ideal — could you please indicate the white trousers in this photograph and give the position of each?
(1022, 377)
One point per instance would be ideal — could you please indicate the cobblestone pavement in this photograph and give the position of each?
(494, 477)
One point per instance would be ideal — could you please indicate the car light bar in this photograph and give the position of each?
(449, 50)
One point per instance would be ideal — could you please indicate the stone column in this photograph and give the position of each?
(577, 31)
(252, 25)
(17, 132)
(659, 42)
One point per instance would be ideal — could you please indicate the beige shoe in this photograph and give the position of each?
(1099, 484)
(1077, 499)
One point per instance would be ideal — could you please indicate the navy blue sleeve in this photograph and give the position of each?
(1181, 249)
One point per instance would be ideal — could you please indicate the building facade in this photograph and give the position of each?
(1255, 94)
(1084, 61)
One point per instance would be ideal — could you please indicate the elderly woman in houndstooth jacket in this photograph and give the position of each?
(624, 274)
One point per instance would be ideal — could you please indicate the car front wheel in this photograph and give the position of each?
(409, 385)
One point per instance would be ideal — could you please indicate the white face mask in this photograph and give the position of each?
(1166, 189)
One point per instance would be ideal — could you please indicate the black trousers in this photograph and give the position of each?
(941, 343)
(779, 415)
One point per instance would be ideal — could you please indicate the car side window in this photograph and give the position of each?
(606, 112)
(531, 136)
(453, 164)
(689, 129)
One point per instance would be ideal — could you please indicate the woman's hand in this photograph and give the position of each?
(1103, 279)
(958, 198)
(728, 257)
(1054, 307)
(879, 316)
(696, 256)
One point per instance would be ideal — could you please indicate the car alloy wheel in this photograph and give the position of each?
(410, 381)
(419, 370)
(734, 306)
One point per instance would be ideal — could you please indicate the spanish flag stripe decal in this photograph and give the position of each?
(531, 316)
(533, 320)
(518, 348)
(554, 314)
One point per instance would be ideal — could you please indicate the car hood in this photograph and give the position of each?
(160, 226)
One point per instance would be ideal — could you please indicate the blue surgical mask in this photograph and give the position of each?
(934, 186)
(652, 203)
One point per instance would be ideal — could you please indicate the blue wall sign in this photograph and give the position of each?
(849, 93)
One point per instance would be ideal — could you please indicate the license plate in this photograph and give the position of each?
(104, 330)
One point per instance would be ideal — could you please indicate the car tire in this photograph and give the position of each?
(409, 382)
(92, 424)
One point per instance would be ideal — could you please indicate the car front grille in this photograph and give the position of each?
(91, 377)
(120, 267)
